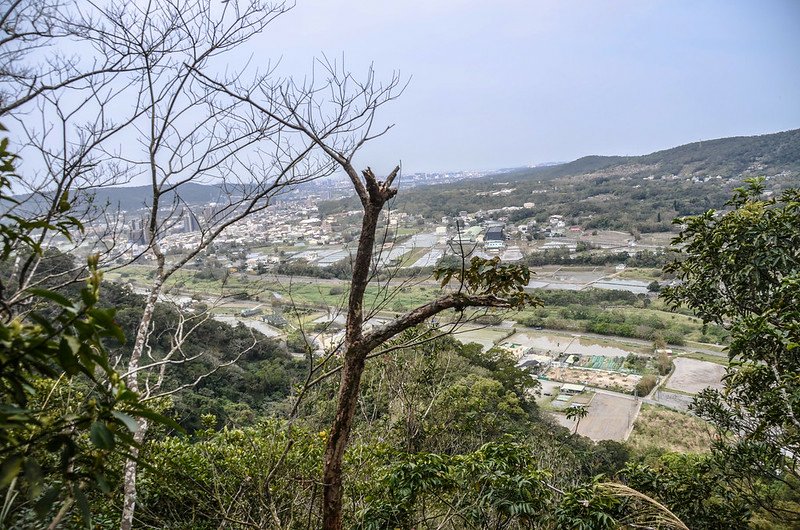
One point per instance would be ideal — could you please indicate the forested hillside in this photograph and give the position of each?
(163, 370)
(611, 192)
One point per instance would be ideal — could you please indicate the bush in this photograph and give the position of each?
(646, 385)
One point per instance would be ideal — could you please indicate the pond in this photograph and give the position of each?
(566, 344)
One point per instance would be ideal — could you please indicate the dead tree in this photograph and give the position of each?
(127, 106)
(483, 283)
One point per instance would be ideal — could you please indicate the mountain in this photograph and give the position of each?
(734, 156)
(135, 197)
(616, 192)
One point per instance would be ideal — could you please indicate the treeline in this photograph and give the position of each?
(608, 322)
(563, 256)
(340, 270)
(598, 311)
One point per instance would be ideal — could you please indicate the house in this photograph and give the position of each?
(494, 233)
(569, 388)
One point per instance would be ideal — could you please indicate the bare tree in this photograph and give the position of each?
(485, 283)
(163, 62)
(128, 105)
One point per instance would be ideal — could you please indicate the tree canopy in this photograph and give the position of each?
(742, 271)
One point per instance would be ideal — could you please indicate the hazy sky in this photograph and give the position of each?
(509, 83)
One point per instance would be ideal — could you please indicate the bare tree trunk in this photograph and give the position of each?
(337, 442)
(129, 478)
(131, 465)
(354, 357)
(374, 194)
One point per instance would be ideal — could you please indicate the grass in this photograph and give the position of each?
(716, 359)
(669, 430)
(643, 274)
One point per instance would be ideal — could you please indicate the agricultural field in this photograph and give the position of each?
(486, 337)
(596, 378)
(610, 418)
(668, 430)
(692, 376)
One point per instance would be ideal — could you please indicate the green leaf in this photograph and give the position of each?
(101, 437)
(33, 476)
(45, 503)
(129, 422)
(53, 296)
(83, 506)
(10, 469)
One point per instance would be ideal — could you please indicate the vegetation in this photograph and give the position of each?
(659, 429)
(433, 417)
(399, 425)
(64, 410)
(742, 271)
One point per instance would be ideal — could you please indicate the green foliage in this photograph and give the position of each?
(16, 232)
(53, 448)
(219, 478)
(589, 312)
(646, 385)
(497, 486)
(742, 271)
(588, 507)
(693, 488)
(491, 277)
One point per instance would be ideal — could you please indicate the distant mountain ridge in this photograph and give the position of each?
(734, 156)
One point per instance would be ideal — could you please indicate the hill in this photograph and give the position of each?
(590, 178)
(616, 192)
(734, 156)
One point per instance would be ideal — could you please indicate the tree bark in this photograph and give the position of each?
(337, 442)
(374, 195)
(132, 381)
(129, 479)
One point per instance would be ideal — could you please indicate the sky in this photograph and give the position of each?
(511, 83)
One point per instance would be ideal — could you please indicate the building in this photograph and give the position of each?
(494, 245)
(494, 233)
(251, 312)
(190, 222)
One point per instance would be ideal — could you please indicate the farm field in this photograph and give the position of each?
(669, 430)
(486, 337)
(610, 418)
(595, 378)
(692, 376)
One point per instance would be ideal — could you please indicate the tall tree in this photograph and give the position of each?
(117, 97)
(480, 283)
(742, 271)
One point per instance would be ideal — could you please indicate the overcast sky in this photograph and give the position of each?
(514, 82)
